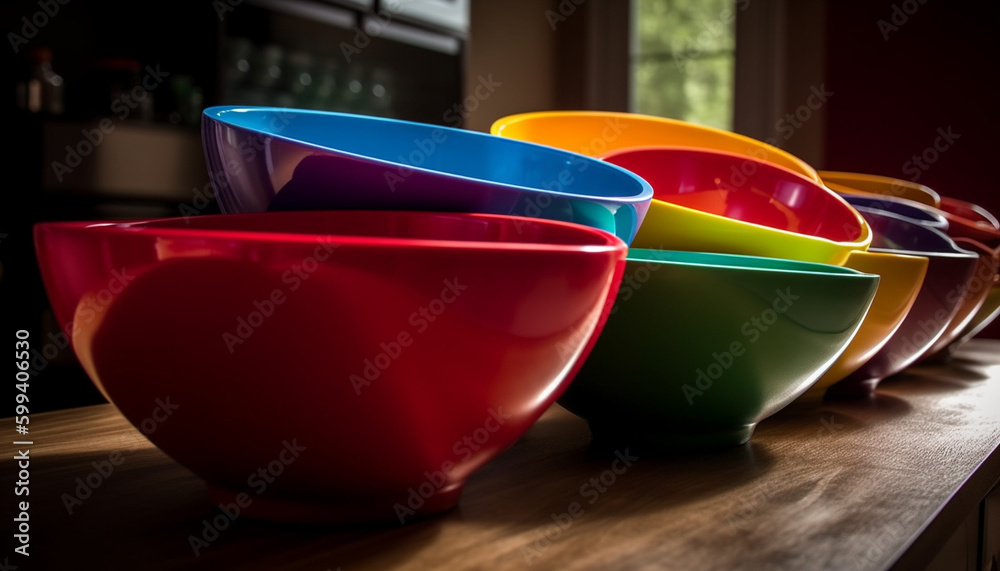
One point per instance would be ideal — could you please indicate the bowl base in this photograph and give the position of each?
(307, 511)
(852, 389)
(678, 438)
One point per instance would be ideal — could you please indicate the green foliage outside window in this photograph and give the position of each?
(683, 53)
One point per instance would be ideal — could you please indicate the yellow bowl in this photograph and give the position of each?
(901, 277)
(595, 133)
(860, 183)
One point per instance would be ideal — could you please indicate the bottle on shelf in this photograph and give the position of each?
(43, 91)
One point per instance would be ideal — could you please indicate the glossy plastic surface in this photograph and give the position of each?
(370, 353)
(973, 295)
(949, 271)
(971, 221)
(712, 201)
(916, 211)
(901, 278)
(266, 158)
(700, 347)
(598, 132)
(986, 315)
(875, 184)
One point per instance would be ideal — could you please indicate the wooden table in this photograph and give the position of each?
(871, 484)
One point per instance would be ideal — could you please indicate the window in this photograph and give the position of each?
(682, 59)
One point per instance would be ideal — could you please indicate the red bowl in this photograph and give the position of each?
(968, 220)
(332, 366)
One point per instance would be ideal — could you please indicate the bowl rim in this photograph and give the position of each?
(503, 122)
(862, 241)
(940, 217)
(989, 222)
(645, 193)
(592, 240)
(740, 262)
(957, 252)
(880, 179)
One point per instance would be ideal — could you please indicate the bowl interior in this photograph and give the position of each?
(911, 209)
(894, 232)
(445, 150)
(741, 188)
(971, 212)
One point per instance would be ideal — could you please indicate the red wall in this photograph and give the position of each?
(894, 88)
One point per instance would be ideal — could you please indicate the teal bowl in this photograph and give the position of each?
(701, 347)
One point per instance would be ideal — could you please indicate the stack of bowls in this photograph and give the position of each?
(408, 298)
(719, 192)
(972, 227)
(413, 297)
(737, 296)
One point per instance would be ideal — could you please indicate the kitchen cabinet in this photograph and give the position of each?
(871, 484)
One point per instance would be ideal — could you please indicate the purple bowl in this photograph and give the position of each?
(922, 213)
(949, 270)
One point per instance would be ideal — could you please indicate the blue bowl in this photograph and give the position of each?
(269, 158)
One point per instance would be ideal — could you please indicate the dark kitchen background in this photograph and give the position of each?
(122, 84)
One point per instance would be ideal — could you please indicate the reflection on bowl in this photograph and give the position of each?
(887, 186)
(971, 221)
(369, 361)
(973, 296)
(901, 278)
(266, 158)
(949, 271)
(712, 201)
(700, 347)
(916, 211)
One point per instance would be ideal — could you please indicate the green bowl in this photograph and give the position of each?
(700, 347)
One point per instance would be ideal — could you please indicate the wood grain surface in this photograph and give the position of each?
(871, 484)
